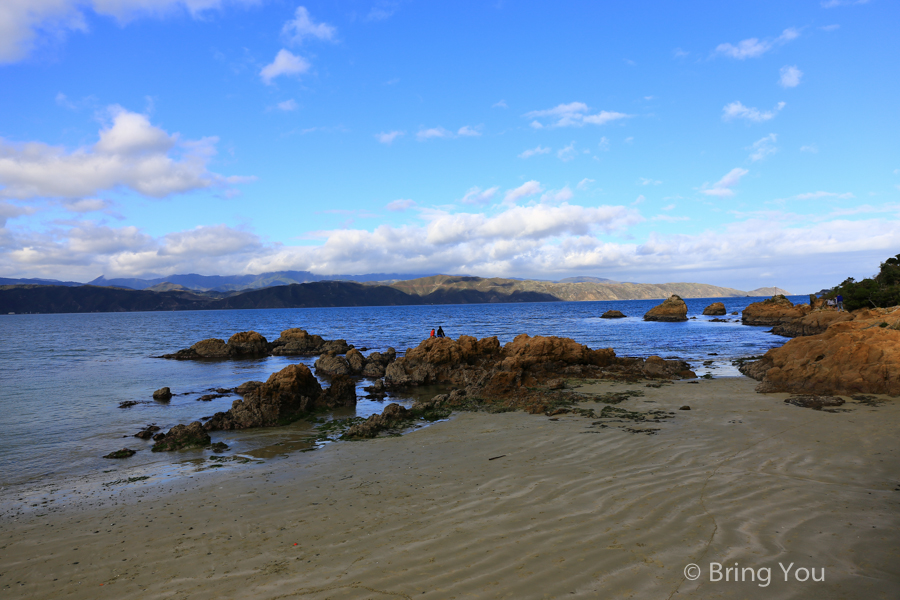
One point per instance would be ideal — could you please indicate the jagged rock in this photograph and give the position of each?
(671, 310)
(715, 309)
(247, 387)
(342, 393)
(442, 360)
(286, 396)
(355, 361)
(814, 323)
(861, 356)
(377, 362)
(247, 344)
(162, 394)
(612, 314)
(210, 348)
(123, 453)
(776, 310)
(159, 436)
(183, 436)
(331, 364)
(298, 342)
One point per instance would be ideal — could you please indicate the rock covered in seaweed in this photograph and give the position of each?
(393, 416)
(673, 309)
(123, 453)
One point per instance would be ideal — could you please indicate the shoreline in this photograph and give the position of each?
(565, 508)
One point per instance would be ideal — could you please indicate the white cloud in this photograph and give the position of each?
(763, 147)
(500, 104)
(629, 140)
(820, 194)
(302, 27)
(287, 105)
(434, 132)
(790, 76)
(669, 207)
(722, 188)
(85, 205)
(754, 47)
(604, 144)
(557, 196)
(639, 200)
(26, 24)
(584, 183)
(476, 195)
(812, 148)
(534, 151)
(285, 63)
(736, 110)
(566, 154)
(389, 137)
(574, 114)
(836, 3)
(529, 188)
(11, 211)
(400, 205)
(131, 153)
(830, 28)
(466, 131)
(646, 181)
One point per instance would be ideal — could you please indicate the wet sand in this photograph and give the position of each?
(569, 510)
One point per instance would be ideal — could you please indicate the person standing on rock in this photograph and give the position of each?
(840, 302)
(432, 334)
(440, 332)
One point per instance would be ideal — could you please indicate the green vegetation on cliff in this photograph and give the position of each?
(881, 290)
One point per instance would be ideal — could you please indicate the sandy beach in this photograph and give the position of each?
(505, 505)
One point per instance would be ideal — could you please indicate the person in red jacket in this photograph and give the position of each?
(432, 333)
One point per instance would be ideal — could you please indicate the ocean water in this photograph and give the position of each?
(63, 376)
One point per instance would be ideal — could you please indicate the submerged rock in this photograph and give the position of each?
(815, 402)
(673, 309)
(612, 314)
(715, 309)
(123, 453)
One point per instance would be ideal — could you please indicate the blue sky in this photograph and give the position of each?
(739, 144)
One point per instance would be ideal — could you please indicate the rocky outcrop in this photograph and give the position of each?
(777, 310)
(612, 314)
(354, 363)
(182, 437)
(812, 323)
(162, 394)
(250, 344)
(297, 342)
(860, 356)
(673, 309)
(247, 387)
(285, 397)
(393, 417)
(341, 393)
(522, 369)
(716, 309)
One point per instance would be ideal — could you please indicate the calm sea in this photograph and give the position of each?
(63, 376)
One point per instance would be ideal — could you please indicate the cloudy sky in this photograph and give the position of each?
(739, 144)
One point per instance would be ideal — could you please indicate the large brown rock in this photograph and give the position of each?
(443, 360)
(341, 393)
(210, 348)
(183, 436)
(861, 356)
(777, 310)
(298, 342)
(392, 417)
(612, 314)
(356, 361)
(673, 309)
(552, 353)
(247, 344)
(330, 364)
(377, 362)
(813, 323)
(715, 309)
(286, 396)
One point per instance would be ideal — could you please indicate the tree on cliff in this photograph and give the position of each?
(881, 290)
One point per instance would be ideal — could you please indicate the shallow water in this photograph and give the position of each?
(63, 376)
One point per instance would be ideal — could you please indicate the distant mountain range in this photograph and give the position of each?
(232, 283)
(435, 289)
